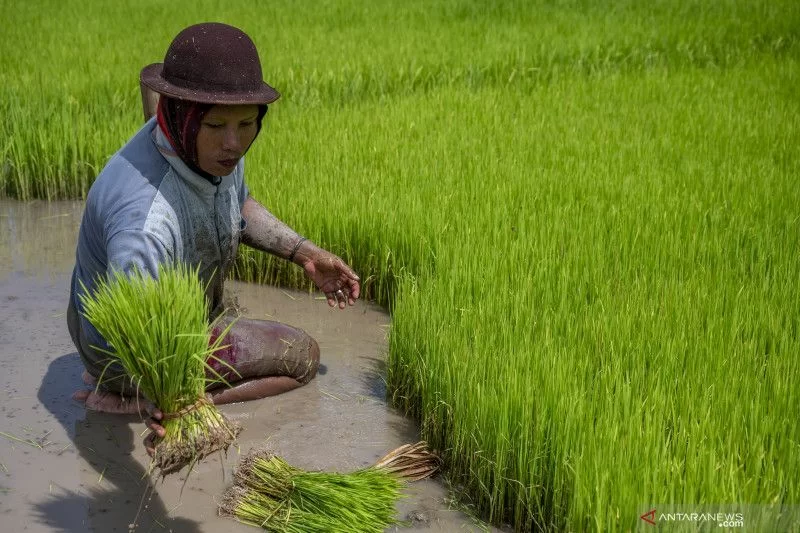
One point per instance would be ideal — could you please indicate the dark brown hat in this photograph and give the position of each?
(211, 63)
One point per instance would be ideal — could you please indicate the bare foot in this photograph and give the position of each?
(107, 402)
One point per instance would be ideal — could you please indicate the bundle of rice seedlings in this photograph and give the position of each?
(270, 493)
(158, 331)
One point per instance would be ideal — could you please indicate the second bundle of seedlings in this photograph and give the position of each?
(272, 494)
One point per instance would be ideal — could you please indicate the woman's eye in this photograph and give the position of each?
(212, 125)
(248, 123)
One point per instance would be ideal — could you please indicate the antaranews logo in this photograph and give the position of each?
(649, 517)
(662, 516)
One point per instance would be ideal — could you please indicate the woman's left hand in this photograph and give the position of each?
(333, 277)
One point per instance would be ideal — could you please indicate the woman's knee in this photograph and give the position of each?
(311, 363)
(256, 348)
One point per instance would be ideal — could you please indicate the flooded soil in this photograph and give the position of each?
(63, 468)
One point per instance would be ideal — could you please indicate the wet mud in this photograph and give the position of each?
(63, 468)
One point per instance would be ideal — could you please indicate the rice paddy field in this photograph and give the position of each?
(584, 217)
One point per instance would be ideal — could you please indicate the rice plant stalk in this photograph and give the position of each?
(158, 331)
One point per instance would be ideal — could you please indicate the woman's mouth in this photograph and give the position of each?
(228, 163)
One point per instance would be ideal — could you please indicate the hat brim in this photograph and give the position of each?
(151, 76)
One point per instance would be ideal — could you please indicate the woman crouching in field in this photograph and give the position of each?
(176, 193)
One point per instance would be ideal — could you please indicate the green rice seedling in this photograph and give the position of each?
(158, 330)
(272, 494)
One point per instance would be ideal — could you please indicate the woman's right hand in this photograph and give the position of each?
(156, 430)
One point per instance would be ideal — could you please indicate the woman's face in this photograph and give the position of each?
(225, 134)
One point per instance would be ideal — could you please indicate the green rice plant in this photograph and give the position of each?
(61, 125)
(159, 332)
(272, 494)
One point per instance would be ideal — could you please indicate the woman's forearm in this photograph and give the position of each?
(264, 231)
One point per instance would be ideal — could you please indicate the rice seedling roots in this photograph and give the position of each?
(199, 434)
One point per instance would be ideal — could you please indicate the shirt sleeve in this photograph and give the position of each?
(129, 250)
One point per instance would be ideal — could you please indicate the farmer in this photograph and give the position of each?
(176, 193)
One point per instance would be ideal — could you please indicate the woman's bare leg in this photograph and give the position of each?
(254, 389)
(262, 358)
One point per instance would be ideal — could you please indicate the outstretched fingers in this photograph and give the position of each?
(339, 283)
(345, 293)
(355, 289)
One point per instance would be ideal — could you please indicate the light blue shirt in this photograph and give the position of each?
(147, 207)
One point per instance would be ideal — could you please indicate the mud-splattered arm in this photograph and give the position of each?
(264, 231)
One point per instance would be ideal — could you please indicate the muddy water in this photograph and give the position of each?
(63, 468)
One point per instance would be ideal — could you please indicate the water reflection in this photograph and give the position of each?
(38, 238)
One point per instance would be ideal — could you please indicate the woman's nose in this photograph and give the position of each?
(230, 141)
